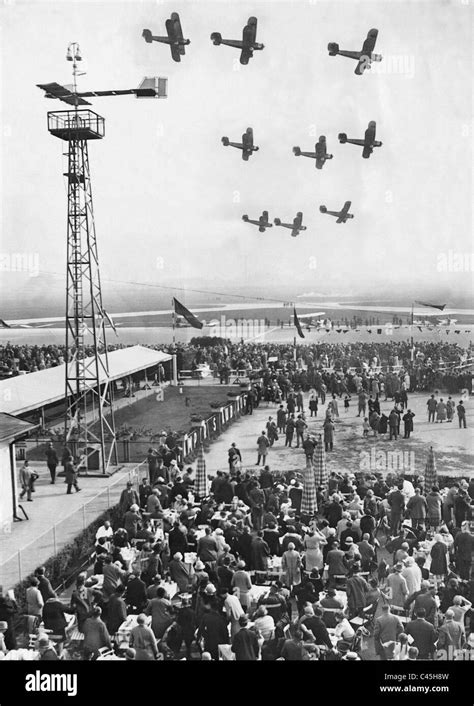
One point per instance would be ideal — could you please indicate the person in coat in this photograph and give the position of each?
(51, 461)
(143, 640)
(424, 635)
(259, 551)
(116, 610)
(412, 575)
(417, 509)
(386, 631)
(262, 446)
(441, 411)
(450, 636)
(439, 559)
(241, 580)
(398, 587)
(357, 590)
(213, 631)
(128, 497)
(96, 634)
(34, 599)
(54, 616)
(26, 480)
(408, 423)
(179, 572)
(328, 433)
(71, 476)
(160, 610)
(337, 563)
(434, 507)
(245, 643)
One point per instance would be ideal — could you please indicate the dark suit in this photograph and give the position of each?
(424, 636)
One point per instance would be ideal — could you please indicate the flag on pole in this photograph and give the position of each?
(297, 323)
(432, 306)
(181, 310)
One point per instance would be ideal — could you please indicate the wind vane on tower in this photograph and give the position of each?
(89, 428)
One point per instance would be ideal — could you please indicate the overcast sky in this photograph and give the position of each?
(169, 197)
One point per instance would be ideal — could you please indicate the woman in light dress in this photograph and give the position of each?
(313, 542)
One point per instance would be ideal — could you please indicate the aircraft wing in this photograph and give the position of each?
(55, 90)
(369, 136)
(264, 217)
(345, 208)
(362, 64)
(247, 139)
(178, 30)
(369, 43)
(175, 49)
(248, 38)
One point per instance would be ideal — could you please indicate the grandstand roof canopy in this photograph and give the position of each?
(25, 393)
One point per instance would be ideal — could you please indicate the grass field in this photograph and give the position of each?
(175, 411)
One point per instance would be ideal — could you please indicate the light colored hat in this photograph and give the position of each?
(210, 589)
(199, 566)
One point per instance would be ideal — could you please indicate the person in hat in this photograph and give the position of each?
(241, 581)
(96, 634)
(212, 631)
(46, 650)
(128, 497)
(143, 641)
(398, 586)
(51, 461)
(179, 572)
(245, 643)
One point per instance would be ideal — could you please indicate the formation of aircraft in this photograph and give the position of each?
(296, 227)
(364, 58)
(341, 215)
(247, 44)
(263, 223)
(247, 146)
(320, 153)
(368, 143)
(175, 37)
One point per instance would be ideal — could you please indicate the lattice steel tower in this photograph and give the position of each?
(89, 419)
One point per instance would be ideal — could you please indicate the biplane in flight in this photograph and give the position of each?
(263, 223)
(248, 44)
(364, 58)
(246, 145)
(295, 227)
(341, 215)
(320, 153)
(368, 143)
(175, 37)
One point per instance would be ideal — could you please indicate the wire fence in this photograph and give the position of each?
(23, 561)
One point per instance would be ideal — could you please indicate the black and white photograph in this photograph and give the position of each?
(237, 329)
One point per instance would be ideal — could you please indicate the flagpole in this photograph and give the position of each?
(173, 317)
(411, 330)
